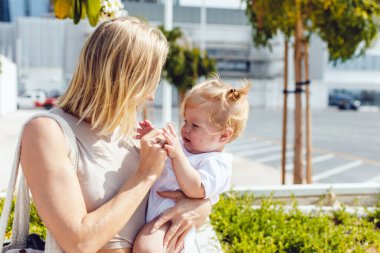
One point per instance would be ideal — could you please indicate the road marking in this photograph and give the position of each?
(348, 156)
(337, 170)
(374, 179)
(272, 158)
(322, 158)
(249, 146)
(260, 150)
(318, 159)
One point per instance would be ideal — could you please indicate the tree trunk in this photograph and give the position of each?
(309, 170)
(284, 113)
(181, 97)
(297, 176)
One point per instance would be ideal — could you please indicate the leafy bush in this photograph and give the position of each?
(36, 225)
(271, 228)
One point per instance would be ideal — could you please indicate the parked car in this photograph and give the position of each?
(344, 101)
(36, 98)
(50, 102)
(31, 99)
(52, 99)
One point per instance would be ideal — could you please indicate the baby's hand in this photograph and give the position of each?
(145, 127)
(173, 146)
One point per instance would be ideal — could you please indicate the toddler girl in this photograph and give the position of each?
(214, 114)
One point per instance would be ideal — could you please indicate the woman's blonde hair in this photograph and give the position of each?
(119, 69)
(227, 106)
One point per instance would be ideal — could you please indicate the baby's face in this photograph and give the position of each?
(198, 135)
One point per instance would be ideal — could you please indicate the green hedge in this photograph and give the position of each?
(36, 225)
(271, 228)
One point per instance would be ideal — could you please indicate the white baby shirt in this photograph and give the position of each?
(215, 170)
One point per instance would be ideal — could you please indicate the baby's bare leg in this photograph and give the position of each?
(146, 242)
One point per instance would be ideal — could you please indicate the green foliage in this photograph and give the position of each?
(36, 225)
(185, 64)
(94, 10)
(272, 228)
(347, 27)
(268, 18)
(375, 218)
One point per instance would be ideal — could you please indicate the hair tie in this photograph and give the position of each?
(233, 94)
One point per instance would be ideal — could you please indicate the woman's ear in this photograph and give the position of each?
(226, 135)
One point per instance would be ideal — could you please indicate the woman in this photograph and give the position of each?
(98, 205)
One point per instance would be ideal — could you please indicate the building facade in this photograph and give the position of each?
(46, 50)
(10, 10)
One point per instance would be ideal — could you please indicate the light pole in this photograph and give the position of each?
(166, 88)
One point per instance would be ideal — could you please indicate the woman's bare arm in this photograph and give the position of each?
(57, 193)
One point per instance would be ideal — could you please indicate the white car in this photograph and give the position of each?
(31, 99)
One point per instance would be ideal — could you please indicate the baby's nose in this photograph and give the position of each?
(187, 129)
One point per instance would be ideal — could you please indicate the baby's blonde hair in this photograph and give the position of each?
(227, 106)
(119, 68)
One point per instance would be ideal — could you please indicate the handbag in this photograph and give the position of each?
(20, 226)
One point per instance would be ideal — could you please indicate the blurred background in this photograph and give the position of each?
(39, 53)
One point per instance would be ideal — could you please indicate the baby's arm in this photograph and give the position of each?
(188, 177)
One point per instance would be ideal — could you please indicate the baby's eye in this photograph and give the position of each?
(195, 126)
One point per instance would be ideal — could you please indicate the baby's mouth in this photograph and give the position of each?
(186, 140)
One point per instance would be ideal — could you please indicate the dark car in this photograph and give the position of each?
(50, 102)
(344, 101)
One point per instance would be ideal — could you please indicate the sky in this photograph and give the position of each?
(233, 4)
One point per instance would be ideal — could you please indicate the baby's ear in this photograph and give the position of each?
(226, 134)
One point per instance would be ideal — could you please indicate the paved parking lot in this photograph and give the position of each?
(346, 144)
(328, 167)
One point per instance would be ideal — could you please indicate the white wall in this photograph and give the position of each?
(41, 42)
(47, 79)
(8, 86)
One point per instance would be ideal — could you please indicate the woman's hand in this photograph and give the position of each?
(185, 215)
(153, 155)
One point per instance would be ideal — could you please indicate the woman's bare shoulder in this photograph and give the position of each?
(43, 138)
(42, 129)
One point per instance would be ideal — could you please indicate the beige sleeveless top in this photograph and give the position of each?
(105, 163)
